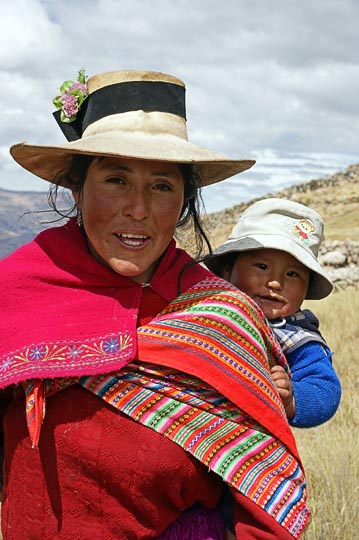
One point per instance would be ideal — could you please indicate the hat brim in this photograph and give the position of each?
(50, 162)
(320, 285)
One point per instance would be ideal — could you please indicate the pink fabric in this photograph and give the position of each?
(67, 314)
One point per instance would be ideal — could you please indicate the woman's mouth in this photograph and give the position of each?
(132, 240)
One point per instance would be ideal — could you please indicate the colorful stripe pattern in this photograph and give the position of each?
(220, 337)
(202, 380)
(215, 431)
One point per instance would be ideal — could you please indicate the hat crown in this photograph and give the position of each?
(276, 217)
(115, 97)
(117, 77)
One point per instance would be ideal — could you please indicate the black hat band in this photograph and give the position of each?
(124, 97)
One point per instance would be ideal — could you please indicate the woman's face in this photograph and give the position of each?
(130, 209)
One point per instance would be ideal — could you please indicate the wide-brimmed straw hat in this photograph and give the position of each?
(130, 114)
(288, 226)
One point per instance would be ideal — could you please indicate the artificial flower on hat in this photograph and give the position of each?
(71, 97)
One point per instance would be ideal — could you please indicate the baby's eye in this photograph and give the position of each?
(261, 266)
(292, 273)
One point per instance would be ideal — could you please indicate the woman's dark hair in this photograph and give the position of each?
(191, 208)
(74, 178)
(221, 263)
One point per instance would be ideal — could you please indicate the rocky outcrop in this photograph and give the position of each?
(341, 261)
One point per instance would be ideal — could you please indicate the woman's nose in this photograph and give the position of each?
(136, 205)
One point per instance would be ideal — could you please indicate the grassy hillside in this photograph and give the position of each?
(344, 226)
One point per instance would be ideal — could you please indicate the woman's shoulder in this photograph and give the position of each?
(219, 288)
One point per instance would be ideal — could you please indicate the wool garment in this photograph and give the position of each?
(94, 333)
(82, 430)
(96, 475)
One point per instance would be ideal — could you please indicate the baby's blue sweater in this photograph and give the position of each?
(316, 386)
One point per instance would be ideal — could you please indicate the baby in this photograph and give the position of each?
(271, 255)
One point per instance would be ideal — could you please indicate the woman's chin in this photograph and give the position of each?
(131, 271)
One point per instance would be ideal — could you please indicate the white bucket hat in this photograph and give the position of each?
(287, 226)
(131, 114)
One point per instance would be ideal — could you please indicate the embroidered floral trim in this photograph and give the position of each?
(71, 97)
(59, 357)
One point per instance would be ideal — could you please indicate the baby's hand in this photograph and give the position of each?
(284, 386)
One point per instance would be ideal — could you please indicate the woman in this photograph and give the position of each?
(125, 420)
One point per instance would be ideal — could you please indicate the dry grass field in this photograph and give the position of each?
(330, 452)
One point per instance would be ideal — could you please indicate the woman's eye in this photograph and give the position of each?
(162, 186)
(114, 180)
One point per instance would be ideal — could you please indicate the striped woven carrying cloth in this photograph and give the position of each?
(202, 379)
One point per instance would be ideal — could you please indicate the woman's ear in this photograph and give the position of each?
(76, 195)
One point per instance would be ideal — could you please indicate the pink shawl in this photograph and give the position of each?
(67, 314)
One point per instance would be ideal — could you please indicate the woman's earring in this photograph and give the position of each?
(79, 217)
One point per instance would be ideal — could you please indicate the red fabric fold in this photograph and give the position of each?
(35, 408)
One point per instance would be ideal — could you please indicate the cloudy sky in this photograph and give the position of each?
(273, 80)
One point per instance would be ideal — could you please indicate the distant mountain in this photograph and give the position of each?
(22, 215)
(336, 198)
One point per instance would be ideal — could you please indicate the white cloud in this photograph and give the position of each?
(29, 40)
(273, 172)
(280, 75)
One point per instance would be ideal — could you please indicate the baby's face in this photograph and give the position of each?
(275, 280)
